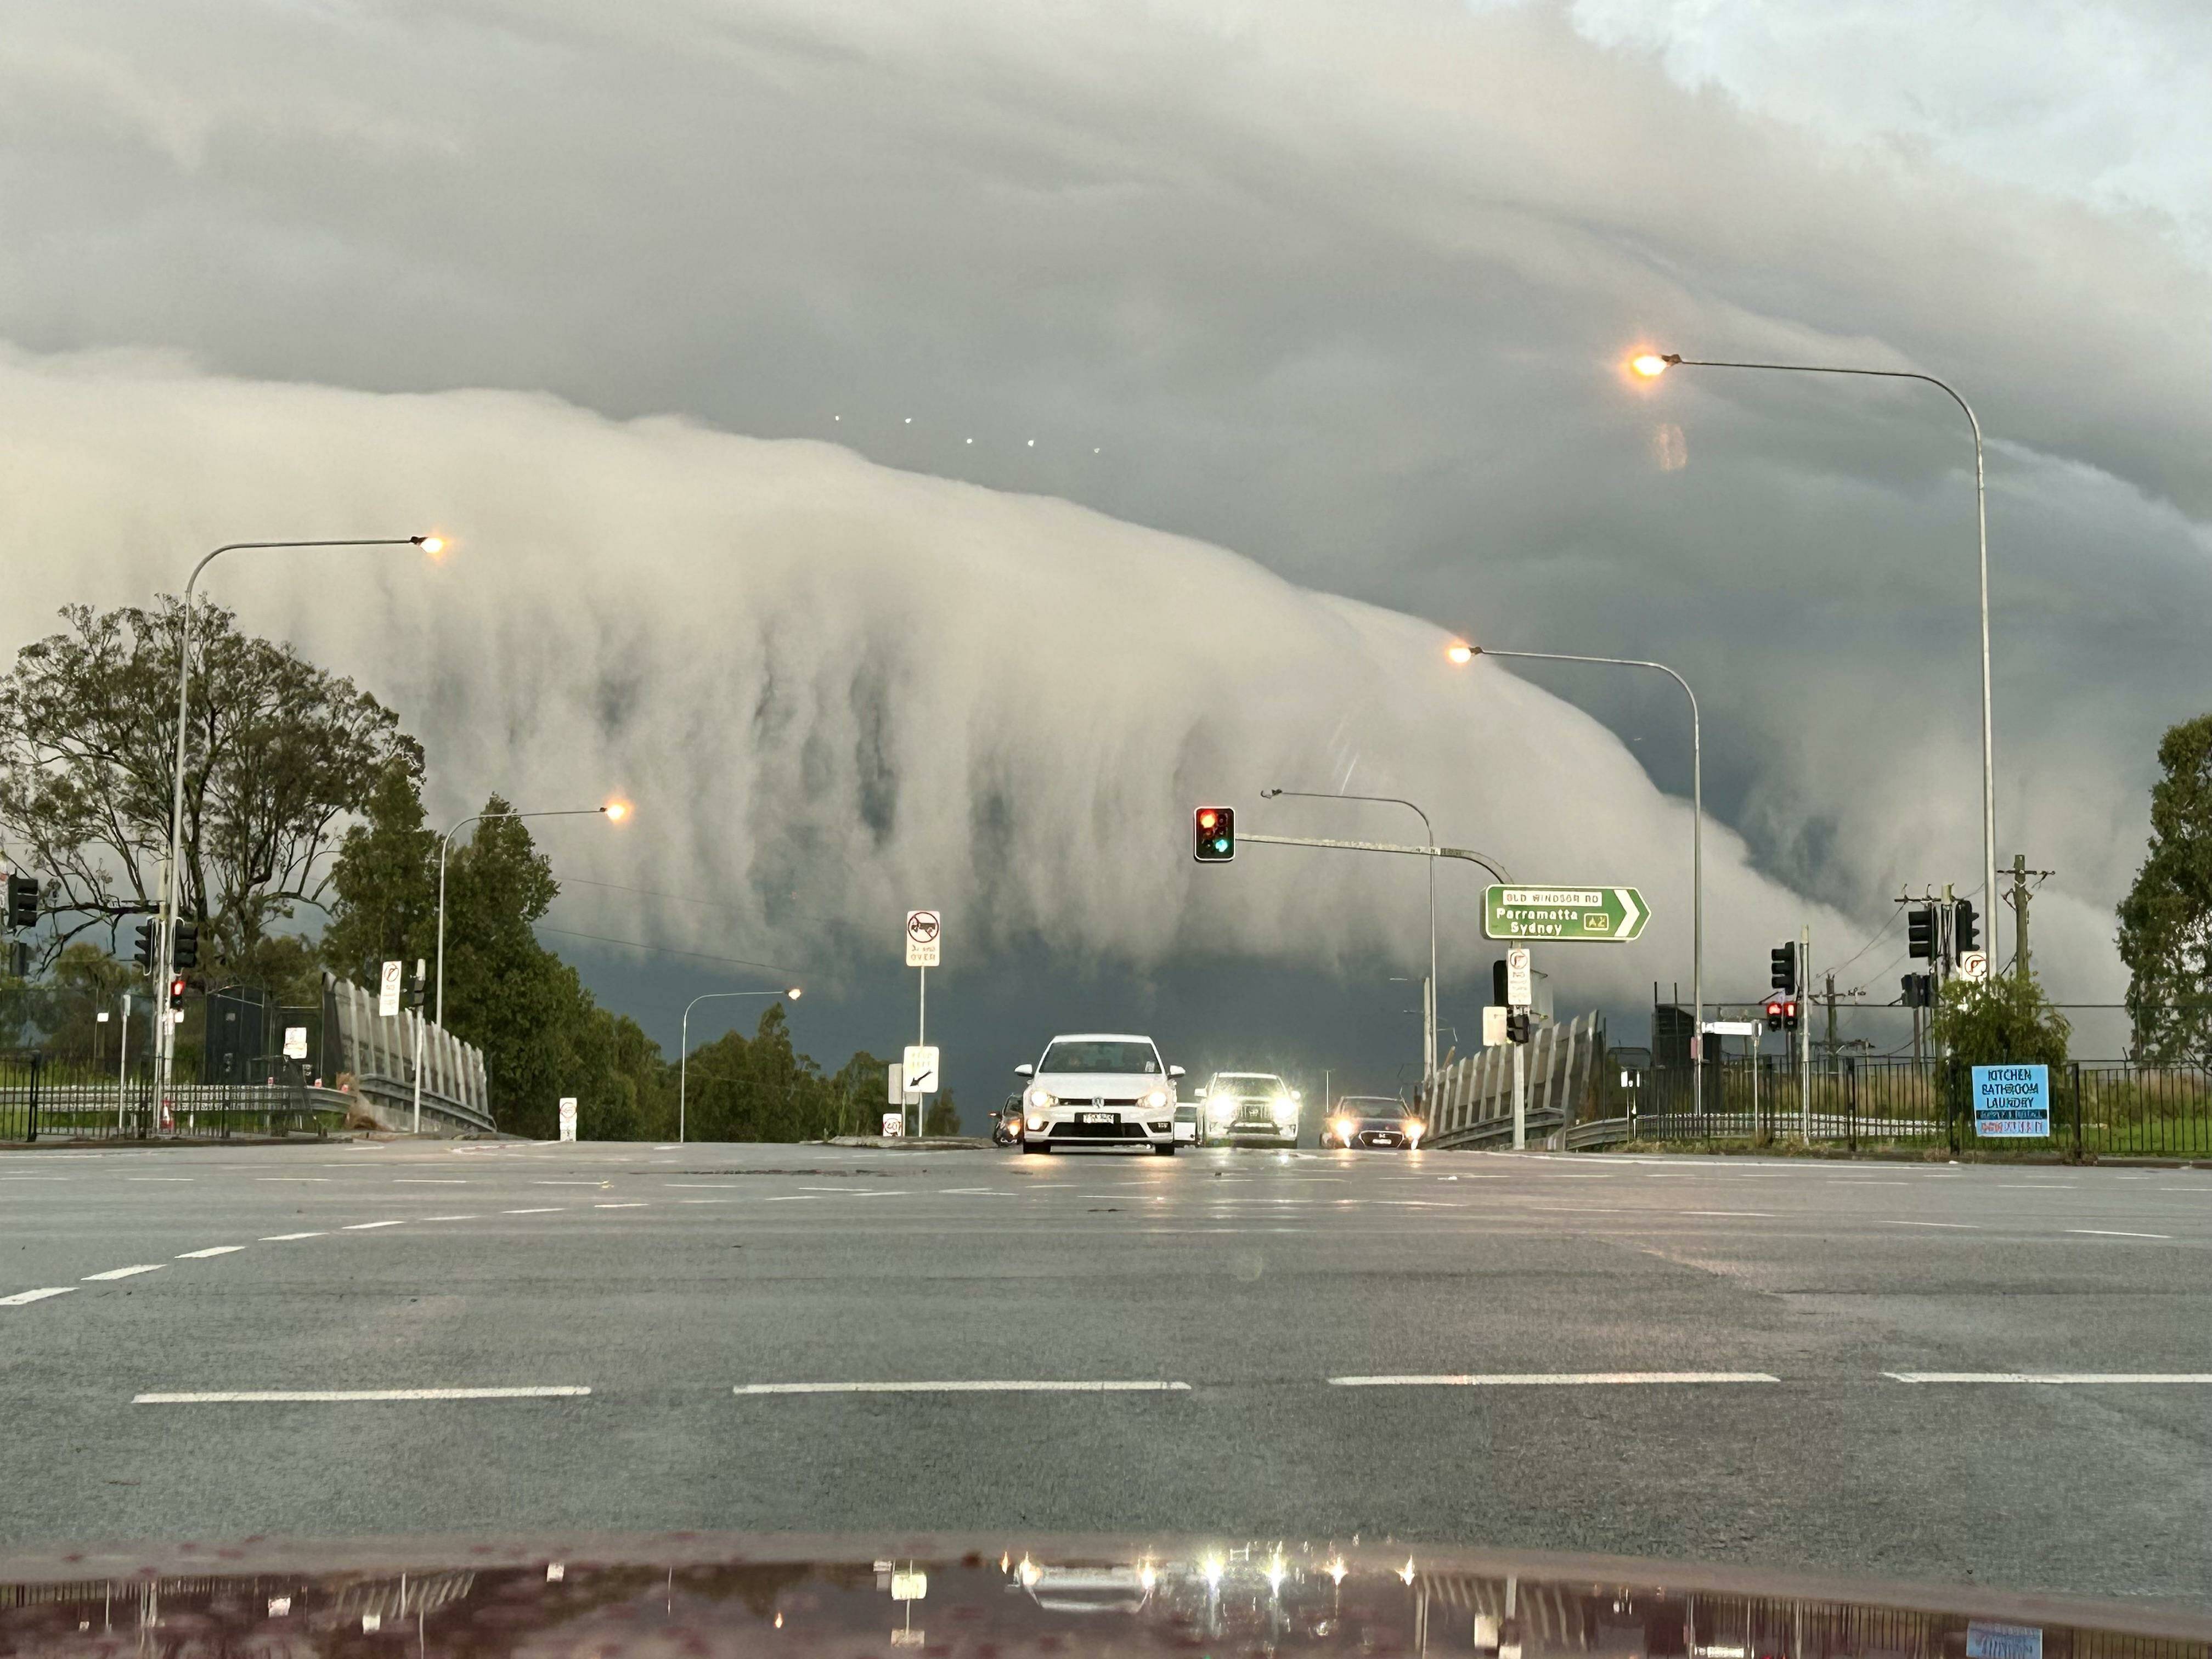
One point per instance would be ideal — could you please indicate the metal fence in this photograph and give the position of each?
(43, 1099)
(2098, 1108)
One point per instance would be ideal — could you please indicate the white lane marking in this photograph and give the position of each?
(157, 1177)
(1763, 1215)
(793, 1198)
(619, 1206)
(1969, 1225)
(427, 1181)
(286, 1238)
(291, 1177)
(961, 1388)
(552, 1210)
(969, 1192)
(445, 1218)
(2129, 1378)
(212, 1249)
(703, 1186)
(23, 1298)
(2107, 1232)
(1550, 1379)
(364, 1226)
(125, 1272)
(2031, 1185)
(567, 1183)
(255, 1396)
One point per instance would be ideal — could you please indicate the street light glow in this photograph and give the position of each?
(795, 992)
(1650, 365)
(1459, 652)
(433, 545)
(616, 810)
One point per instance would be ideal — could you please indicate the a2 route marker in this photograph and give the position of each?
(1603, 915)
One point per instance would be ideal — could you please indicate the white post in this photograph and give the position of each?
(1804, 1035)
(122, 1064)
(1520, 1101)
(921, 1041)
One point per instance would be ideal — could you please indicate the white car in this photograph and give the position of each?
(1099, 1089)
(1250, 1108)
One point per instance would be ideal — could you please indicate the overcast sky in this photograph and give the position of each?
(1343, 291)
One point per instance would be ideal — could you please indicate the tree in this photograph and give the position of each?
(2006, 1020)
(2166, 921)
(279, 753)
(943, 1115)
(384, 882)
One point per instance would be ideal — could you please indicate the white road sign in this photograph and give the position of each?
(1974, 967)
(387, 999)
(1733, 1027)
(1518, 990)
(295, 1043)
(567, 1117)
(922, 929)
(1493, 1026)
(894, 1124)
(898, 1083)
(920, 1070)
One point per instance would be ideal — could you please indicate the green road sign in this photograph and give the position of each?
(1607, 915)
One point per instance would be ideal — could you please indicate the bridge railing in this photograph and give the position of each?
(1470, 1102)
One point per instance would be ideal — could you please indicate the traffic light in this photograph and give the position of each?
(1498, 984)
(1920, 932)
(1919, 990)
(1784, 958)
(149, 944)
(1214, 834)
(415, 991)
(1774, 1013)
(23, 901)
(176, 991)
(1965, 927)
(186, 952)
(1790, 1015)
(1517, 1024)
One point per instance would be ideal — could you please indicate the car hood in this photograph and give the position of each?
(1089, 1085)
(696, 1595)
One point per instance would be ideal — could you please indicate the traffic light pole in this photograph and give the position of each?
(1805, 1039)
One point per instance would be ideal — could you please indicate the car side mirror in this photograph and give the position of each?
(1175, 1071)
(1024, 1070)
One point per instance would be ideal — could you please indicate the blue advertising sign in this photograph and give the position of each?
(2012, 1101)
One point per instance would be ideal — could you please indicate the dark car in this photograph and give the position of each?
(1372, 1123)
(1006, 1123)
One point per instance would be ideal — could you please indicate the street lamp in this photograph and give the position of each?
(1459, 651)
(684, 1043)
(613, 812)
(172, 879)
(1429, 1001)
(1651, 365)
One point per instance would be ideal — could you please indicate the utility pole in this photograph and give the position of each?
(1805, 1040)
(2019, 916)
(1833, 1050)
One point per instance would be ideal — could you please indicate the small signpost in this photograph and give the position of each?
(1520, 982)
(920, 1070)
(1604, 915)
(925, 932)
(923, 928)
(387, 996)
(2012, 1103)
(567, 1117)
(295, 1043)
(894, 1124)
(1974, 967)
(1493, 1026)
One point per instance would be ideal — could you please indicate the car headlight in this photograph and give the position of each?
(1221, 1106)
(1342, 1130)
(1039, 1100)
(1285, 1110)
(1414, 1128)
(1036, 1120)
(1157, 1100)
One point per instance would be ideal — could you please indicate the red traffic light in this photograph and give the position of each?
(1205, 818)
(1213, 834)
(1774, 1006)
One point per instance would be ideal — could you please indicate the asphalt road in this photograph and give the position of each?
(1690, 1359)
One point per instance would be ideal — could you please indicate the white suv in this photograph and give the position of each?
(1099, 1089)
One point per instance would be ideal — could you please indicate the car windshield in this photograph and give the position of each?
(1099, 1054)
(1248, 1083)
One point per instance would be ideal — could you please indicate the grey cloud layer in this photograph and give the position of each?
(1344, 289)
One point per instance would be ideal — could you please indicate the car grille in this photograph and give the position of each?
(1123, 1131)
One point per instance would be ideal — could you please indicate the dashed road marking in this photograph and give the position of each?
(1761, 1215)
(125, 1272)
(551, 1210)
(2123, 1378)
(286, 1238)
(1967, 1225)
(1551, 1379)
(212, 1249)
(639, 1205)
(1145, 1387)
(318, 1396)
(366, 1226)
(2108, 1232)
(23, 1298)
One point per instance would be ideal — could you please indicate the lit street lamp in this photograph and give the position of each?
(1652, 364)
(684, 1043)
(172, 879)
(1429, 1001)
(613, 812)
(1463, 653)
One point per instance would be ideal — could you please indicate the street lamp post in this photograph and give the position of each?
(1461, 652)
(613, 812)
(172, 879)
(684, 1043)
(1651, 365)
(1429, 1000)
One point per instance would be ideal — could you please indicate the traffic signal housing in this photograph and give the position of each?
(1774, 1013)
(1213, 834)
(22, 902)
(1517, 1025)
(176, 991)
(186, 952)
(149, 934)
(1789, 1014)
(1784, 959)
(1920, 932)
(1919, 990)
(1965, 927)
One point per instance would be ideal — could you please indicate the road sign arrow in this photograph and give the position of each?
(1631, 912)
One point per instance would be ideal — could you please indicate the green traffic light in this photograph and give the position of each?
(1220, 843)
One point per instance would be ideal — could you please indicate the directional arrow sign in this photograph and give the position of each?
(1606, 915)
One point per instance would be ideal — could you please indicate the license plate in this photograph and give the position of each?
(1098, 1117)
